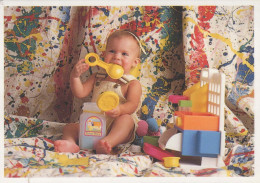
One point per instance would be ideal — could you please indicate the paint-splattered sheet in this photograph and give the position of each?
(42, 44)
(29, 152)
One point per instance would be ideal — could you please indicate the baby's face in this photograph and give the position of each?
(122, 51)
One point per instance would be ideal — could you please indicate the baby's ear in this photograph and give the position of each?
(102, 55)
(137, 61)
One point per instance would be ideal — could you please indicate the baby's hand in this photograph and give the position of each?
(79, 68)
(114, 112)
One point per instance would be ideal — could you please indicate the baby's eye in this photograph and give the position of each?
(112, 51)
(125, 54)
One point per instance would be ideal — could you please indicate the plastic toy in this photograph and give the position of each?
(209, 142)
(174, 100)
(92, 126)
(170, 162)
(156, 152)
(197, 121)
(199, 96)
(113, 70)
(107, 101)
(201, 133)
(169, 140)
(152, 140)
(200, 143)
(184, 105)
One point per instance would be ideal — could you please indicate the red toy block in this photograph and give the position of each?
(156, 152)
(176, 98)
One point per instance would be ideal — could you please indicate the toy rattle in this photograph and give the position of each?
(113, 70)
(107, 101)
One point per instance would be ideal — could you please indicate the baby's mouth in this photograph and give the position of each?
(115, 64)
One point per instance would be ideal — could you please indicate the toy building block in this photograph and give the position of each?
(197, 121)
(209, 142)
(175, 142)
(152, 140)
(174, 100)
(191, 144)
(164, 138)
(192, 89)
(156, 152)
(199, 96)
(185, 105)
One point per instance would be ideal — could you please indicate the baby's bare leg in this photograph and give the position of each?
(69, 139)
(119, 133)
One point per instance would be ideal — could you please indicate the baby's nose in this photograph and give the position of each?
(117, 59)
(117, 56)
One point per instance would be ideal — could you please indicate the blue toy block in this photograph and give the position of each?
(188, 143)
(191, 144)
(209, 142)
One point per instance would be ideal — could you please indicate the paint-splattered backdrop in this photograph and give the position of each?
(42, 44)
(39, 58)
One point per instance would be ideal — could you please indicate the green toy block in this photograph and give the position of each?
(152, 140)
(185, 103)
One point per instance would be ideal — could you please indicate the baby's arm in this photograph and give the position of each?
(133, 97)
(78, 88)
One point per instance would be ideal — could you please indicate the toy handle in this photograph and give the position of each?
(93, 59)
(113, 70)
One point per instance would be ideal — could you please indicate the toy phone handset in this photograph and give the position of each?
(113, 70)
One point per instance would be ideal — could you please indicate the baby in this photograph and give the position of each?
(123, 48)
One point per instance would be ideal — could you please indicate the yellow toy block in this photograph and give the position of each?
(199, 97)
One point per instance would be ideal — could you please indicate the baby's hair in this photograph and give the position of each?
(129, 33)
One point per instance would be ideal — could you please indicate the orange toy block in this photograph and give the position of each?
(197, 121)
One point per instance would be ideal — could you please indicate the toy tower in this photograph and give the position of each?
(201, 130)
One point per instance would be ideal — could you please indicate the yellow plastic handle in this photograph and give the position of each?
(113, 70)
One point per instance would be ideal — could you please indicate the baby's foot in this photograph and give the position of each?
(66, 146)
(103, 147)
